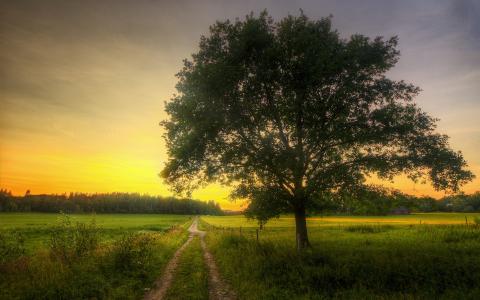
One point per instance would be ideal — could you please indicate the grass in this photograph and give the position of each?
(191, 279)
(36, 227)
(118, 256)
(369, 260)
(314, 221)
(367, 228)
(79, 261)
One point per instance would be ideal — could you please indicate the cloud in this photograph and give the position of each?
(89, 77)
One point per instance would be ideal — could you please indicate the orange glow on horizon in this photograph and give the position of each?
(82, 91)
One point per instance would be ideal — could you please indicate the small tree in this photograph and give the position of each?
(287, 112)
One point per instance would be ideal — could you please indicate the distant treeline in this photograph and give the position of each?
(376, 200)
(105, 203)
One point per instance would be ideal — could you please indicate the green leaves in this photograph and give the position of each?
(290, 109)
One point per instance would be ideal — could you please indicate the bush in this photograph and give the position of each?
(133, 252)
(477, 220)
(69, 241)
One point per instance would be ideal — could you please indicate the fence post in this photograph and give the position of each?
(466, 221)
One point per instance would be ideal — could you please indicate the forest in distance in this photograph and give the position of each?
(105, 203)
(368, 201)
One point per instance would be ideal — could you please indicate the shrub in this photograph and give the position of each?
(477, 220)
(133, 252)
(69, 241)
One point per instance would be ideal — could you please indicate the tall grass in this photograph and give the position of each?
(348, 262)
(364, 228)
(477, 220)
(76, 265)
(69, 241)
(12, 246)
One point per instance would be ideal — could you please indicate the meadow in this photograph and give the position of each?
(119, 256)
(37, 227)
(56, 256)
(391, 257)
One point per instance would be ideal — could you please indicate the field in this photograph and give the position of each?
(54, 256)
(314, 221)
(351, 257)
(418, 256)
(36, 227)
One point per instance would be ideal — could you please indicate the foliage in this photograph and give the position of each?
(288, 111)
(105, 203)
(69, 241)
(133, 252)
(375, 200)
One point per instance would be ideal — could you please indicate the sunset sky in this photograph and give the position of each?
(83, 83)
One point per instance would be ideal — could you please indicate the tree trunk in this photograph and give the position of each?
(301, 228)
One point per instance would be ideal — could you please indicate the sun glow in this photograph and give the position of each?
(82, 92)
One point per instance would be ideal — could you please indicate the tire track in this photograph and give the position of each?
(218, 288)
(162, 284)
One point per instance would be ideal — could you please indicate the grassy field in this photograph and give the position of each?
(313, 221)
(419, 256)
(392, 257)
(36, 227)
(52, 256)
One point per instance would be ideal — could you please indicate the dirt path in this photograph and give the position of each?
(218, 289)
(160, 287)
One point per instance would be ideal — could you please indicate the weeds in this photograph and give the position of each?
(12, 246)
(77, 264)
(133, 252)
(363, 228)
(409, 263)
(69, 241)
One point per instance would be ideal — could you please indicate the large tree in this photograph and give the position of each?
(285, 112)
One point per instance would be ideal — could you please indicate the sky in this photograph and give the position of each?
(83, 83)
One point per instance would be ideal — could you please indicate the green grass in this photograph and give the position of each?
(191, 279)
(360, 260)
(36, 227)
(76, 261)
(392, 257)
(314, 221)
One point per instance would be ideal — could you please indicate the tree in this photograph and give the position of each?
(285, 112)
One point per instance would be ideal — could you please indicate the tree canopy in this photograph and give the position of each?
(287, 111)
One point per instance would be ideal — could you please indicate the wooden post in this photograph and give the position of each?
(466, 221)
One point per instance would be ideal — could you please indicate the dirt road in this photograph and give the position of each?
(218, 289)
